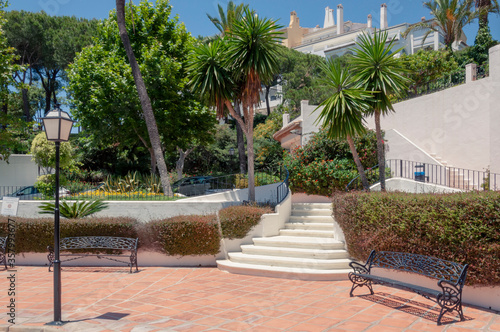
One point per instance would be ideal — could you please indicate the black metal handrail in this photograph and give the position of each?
(447, 81)
(366, 171)
(453, 177)
(282, 189)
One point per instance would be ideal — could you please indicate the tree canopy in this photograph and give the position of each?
(46, 45)
(103, 91)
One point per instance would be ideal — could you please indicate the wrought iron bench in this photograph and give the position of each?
(451, 277)
(3, 250)
(106, 243)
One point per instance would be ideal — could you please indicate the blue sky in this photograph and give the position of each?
(311, 12)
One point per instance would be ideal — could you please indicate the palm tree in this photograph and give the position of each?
(450, 17)
(379, 71)
(224, 24)
(231, 70)
(342, 113)
(147, 109)
(485, 7)
(225, 20)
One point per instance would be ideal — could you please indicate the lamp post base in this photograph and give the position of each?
(56, 323)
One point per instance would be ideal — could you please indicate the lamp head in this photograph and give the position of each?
(57, 125)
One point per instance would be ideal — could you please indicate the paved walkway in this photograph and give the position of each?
(206, 299)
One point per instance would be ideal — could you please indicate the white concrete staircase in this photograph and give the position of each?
(308, 248)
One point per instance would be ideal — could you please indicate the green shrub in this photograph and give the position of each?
(325, 165)
(34, 235)
(75, 209)
(185, 235)
(463, 228)
(237, 221)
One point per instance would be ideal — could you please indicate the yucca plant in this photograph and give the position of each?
(78, 209)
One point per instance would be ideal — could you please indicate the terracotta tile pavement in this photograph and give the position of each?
(206, 299)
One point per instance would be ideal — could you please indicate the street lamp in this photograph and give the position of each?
(57, 125)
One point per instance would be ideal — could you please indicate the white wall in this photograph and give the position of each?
(459, 125)
(20, 171)
(151, 210)
(410, 186)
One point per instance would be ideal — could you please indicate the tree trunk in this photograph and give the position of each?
(26, 105)
(251, 170)
(240, 141)
(147, 109)
(357, 161)
(153, 160)
(268, 87)
(179, 165)
(247, 127)
(380, 151)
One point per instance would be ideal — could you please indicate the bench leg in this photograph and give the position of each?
(50, 257)
(133, 261)
(3, 259)
(358, 281)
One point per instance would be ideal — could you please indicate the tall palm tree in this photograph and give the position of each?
(224, 24)
(225, 20)
(343, 110)
(147, 109)
(379, 71)
(485, 7)
(450, 17)
(232, 68)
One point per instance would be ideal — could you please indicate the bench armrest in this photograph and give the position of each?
(359, 268)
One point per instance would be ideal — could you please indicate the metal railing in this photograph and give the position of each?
(439, 84)
(482, 72)
(453, 177)
(133, 190)
(356, 182)
(282, 190)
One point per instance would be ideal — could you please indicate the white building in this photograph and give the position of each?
(337, 38)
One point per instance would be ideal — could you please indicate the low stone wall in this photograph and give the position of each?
(411, 186)
(145, 211)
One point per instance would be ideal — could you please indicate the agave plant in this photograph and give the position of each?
(78, 209)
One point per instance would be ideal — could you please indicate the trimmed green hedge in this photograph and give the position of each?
(34, 235)
(463, 228)
(181, 235)
(185, 235)
(237, 221)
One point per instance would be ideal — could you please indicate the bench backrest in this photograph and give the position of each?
(98, 242)
(424, 265)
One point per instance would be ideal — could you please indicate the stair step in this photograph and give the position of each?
(308, 233)
(299, 242)
(283, 272)
(314, 219)
(294, 252)
(309, 226)
(311, 206)
(309, 263)
(315, 212)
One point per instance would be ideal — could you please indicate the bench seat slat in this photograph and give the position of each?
(419, 289)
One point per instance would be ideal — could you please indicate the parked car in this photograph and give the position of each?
(192, 186)
(30, 192)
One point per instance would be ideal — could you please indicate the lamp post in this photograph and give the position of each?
(57, 125)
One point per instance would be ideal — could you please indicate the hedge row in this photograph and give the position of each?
(463, 228)
(181, 235)
(237, 221)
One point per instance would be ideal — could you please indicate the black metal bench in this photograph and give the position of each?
(106, 243)
(451, 277)
(3, 250)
